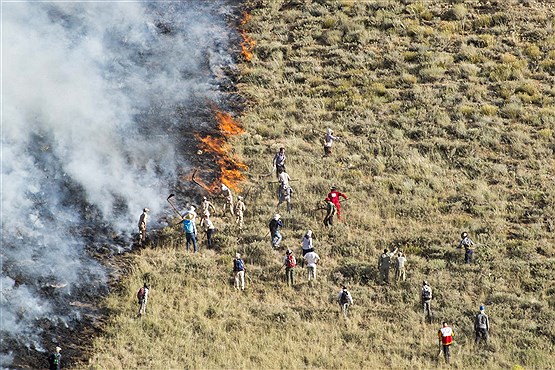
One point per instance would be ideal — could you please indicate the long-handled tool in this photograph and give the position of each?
(173, 206)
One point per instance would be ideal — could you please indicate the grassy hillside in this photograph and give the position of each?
(447, 117)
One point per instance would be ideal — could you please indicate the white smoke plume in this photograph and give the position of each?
(97, 98)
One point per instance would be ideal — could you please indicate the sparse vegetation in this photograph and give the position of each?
(446, 112)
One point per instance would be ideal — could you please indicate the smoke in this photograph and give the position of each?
(98, 101)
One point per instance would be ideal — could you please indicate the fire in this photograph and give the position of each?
(248, 44)
(230, 167)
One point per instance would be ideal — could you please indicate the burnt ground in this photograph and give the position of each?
(77, 336)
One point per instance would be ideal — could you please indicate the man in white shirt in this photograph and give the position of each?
(311, 259)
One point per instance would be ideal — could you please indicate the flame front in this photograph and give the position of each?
(230, 167)
(248, 44)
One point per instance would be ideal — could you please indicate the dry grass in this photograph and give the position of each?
(446, 113)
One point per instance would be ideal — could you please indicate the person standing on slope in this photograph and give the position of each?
(345, 300)
(142, 298)
(208, 227)
(306, 244)
(290, 263)
(55, 360)
(142, 225)
(468, 246)
(239, 272)
(226, 193)
(274, 226)
(205, 206)
(400, 273)
(481, 326)
(445, 335)
(330, 212)
(279, 161)
(190, 229)
(384, 264)
(426, 298)
(328, 142)
(240, 208)
(333, 196)
(312, 259)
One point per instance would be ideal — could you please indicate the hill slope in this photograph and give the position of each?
(446, 114)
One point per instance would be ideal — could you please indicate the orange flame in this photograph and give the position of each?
(248, 44)
(230, 167)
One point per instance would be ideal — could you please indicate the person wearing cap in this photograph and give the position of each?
(226, 193)
(274, 226)
(279, 161)
(284, 195)
(384, 264)
(239, 272)
(426, 298)
(400, 261)
(208, 228)
(328, 142)
(142, 225)
(468, 246)
(344, 299)
(445, 336)
(312, 259)
(205, 206)
(289, 262)
(330, 212)
(240, 208)
(190, 228)
(481, 326)
(55, 359)
(333, 197)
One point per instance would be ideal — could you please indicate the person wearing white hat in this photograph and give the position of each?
(190, 229)
(226, 193)
(274, 225)
(205, 206)
(328, 142)
(426, 295)
(240, 208)
(239, 271)
(55, 359)
(142, 225)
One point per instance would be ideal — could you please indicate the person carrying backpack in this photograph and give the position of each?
(274, 226)
(445, 335)
(142, 298)
(290, 263)
(55, 359)
(468, 246)
(344, 299)
(426, 295)
(481, 326)
(239, 272)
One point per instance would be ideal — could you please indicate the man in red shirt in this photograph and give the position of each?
(445, 336)
(333, 197)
